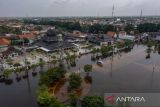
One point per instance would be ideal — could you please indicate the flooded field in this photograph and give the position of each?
(128, 72)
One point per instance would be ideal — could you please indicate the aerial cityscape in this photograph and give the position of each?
(79, 55)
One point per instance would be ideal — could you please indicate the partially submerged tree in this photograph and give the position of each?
(75, 81)
(88, 68)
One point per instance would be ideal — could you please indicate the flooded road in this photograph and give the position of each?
(131, 72)
(128, 72)
(19, 94)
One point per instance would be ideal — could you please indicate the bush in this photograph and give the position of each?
(93, 101)
(75, 81)
(51, 76)
(45, 99)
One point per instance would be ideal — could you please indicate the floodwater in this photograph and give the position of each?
(128, 72)
(19, 94)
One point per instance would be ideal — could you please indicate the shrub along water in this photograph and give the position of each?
(44, 98)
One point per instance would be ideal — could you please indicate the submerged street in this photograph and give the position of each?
(128, 72)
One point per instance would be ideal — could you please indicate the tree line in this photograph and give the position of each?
(7, 29)
(142, 28)
(70, 26)
(96, 28)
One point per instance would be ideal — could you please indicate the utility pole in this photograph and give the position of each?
(1, 65)
(113, 12)
(141, 14)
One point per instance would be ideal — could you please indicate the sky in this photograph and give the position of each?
(54, 8)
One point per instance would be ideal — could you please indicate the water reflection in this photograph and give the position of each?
(152, 76)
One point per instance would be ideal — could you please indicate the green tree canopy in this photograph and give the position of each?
(88, 68)
(75, 81)
(129, 28)
(52, 76)
(93, 101)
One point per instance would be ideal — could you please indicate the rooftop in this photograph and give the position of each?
(4, 42)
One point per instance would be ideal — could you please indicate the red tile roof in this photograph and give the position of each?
(28, 36)
(4, 41)
(111, 34)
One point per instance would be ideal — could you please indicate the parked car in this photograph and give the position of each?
(100, 63)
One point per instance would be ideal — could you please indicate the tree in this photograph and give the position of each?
(93, 101)
(73, 99)
(148, 27)
(149, 50)
(7, 29)
(70, 59)
(105, 50)
(88, 68)
(7, 73)
(128, 43)
(56, 103)
(75, 81)
(99, 28)
(51, 76)
(44, 97)
(39, 28)
(17, 65)
(94, 51)
(44, 79)
(129, 28)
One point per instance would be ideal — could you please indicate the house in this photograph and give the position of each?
(101, 39)
(11, 52)
(127, 37)
(112, 34)
(79, 36)
(30, 36)
(4, 42)
(77, 33)
(122, 33)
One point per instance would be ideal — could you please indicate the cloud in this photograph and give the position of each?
(77, 7)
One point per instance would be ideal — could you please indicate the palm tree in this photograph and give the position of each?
(41, 63)
(149, 50)
(88, 68)
(7, 73)
(17, 71)
(25, 69)
(68, 58)
(33, 67)
(94, 51)
(73, 60)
